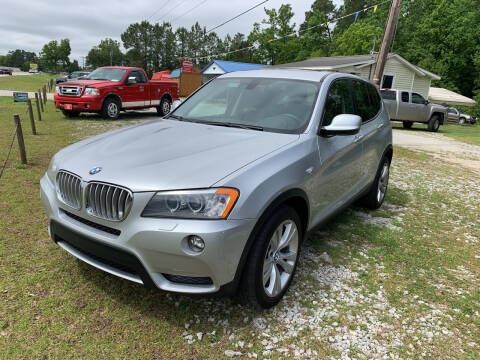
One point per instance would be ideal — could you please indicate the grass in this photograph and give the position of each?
(53, 306)
(25, 82)
(469, 134)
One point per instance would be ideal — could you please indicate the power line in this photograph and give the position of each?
(236, 17)
(188, 11)
(170, 11)
(156, 11)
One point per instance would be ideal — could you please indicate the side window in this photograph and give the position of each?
(405, 97)
(417, 99)
(140, 76)
(375, 99)
(364, 107)
(339, 101)
(389, 95)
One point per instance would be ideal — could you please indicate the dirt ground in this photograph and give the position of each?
(440, 146)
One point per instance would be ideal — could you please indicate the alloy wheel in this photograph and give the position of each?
(383, 182)
(280, 258)
(112, 110)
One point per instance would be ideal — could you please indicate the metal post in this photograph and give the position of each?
(21, 143)
(387, 39)
(32, 119)
(38, 107)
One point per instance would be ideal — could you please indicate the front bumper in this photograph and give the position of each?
(78, 103)
(149, 251)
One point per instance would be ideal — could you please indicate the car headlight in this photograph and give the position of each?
(92, 91)
(192, 204)
(52, 170)
(57, 89)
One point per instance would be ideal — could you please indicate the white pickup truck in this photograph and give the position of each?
(410, 107)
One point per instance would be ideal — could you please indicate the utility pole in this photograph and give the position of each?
(387, 38)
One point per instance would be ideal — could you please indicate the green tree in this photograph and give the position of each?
(139, 37)
(277, 26)
(358, 39)
(55, 55)
(107, 52)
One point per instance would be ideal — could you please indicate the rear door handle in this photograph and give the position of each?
(357, 138)
(380, 126)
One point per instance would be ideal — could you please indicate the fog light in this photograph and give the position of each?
(196, 243)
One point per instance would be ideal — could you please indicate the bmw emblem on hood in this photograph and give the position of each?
(95, 170)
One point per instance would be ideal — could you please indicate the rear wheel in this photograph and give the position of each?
(407, 124)
(273, 258)
(375, 196)
(434, 123)
(110, 109)
(462, 121)
(164, 107)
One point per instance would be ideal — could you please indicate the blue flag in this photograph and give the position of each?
(356, 16)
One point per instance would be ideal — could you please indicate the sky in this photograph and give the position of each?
(30, 24)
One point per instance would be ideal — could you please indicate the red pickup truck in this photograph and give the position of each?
(109, 90)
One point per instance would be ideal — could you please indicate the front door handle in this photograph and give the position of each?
(141, 88)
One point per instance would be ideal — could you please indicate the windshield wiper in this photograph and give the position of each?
(180, 118)
(233, 125)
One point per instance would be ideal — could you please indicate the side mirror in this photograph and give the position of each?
(175, 104)
(427, 102)
(131, 80)
(343, 124)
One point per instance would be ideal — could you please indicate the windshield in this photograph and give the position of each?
(107, 74)
(269, 104)
(76, 74)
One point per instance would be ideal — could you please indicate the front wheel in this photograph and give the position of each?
(434, 123)
(110, 109)
(375, 196)
(164, 107)
(273, 258)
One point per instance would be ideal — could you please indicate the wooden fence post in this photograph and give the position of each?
(40, 99)
(44, 94)
(21, 143)
(32, 119)
(38, 107)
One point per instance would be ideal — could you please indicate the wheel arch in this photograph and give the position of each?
(167, 95)
(112, 95)
(295, 198)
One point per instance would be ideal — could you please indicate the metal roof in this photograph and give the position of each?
(339, 62)
(440, 95)
(176, 73)
(306, 75)
(231, 66)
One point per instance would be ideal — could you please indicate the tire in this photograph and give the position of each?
(462, 121)
(164, 107)
(376, 195)
(264, 291)
(434, 123)
(407, 124)
(110, 109)
(70, 113)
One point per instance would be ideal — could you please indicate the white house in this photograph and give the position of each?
(398, 74)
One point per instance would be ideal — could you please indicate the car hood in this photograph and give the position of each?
(168, 154)
(96, 83)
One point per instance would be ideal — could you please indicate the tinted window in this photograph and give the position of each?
(138, 75)
(365, 108)
(417, 99)
(389, 95)
(375, 99)
(339, 101)
(274, 104)
(405, 97)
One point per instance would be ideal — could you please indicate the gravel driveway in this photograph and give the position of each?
(440, 146)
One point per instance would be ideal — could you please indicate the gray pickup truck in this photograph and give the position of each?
(410, 107)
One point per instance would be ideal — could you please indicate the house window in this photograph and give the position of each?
(387, 82)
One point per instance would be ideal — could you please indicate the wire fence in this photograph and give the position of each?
(9, 151)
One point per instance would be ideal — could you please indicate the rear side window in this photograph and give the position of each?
(389, 95)
(339, 101)
(405, 97)
(367, 105)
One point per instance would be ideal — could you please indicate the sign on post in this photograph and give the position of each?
(187, 66)
(20, 97)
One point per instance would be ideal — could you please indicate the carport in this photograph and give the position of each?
(444, 96)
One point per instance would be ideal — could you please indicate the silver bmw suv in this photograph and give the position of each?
(219, 194)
